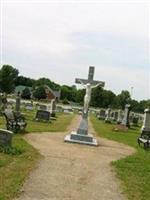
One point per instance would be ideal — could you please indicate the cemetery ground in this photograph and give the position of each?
(134, 170)
(15, 168)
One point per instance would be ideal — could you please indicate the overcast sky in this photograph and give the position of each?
(61, 39)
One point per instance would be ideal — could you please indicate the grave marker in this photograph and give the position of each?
(125, 120)
(5, 137)
(42, 115)
(81, 135)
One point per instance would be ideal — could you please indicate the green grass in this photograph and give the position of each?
(134, 170)
(58, 125)
(15, 168)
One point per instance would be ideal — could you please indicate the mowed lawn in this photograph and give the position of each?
(15, 168)
(134, 170)
(58, 125)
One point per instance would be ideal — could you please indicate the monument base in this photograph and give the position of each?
(74, 137)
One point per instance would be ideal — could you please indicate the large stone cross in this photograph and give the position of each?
(82, 135)
(88, 84)
(90, 79)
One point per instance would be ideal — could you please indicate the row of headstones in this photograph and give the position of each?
(125, 117)
(42, 114)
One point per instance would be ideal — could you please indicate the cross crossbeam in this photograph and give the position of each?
(90, 79)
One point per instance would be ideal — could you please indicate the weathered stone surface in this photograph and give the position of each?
(5, 137)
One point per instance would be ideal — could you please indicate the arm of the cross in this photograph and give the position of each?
(81, 81)
(98, 83)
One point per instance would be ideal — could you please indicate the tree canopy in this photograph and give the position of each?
(9, 78)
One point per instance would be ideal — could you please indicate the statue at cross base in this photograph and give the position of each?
(82, 136)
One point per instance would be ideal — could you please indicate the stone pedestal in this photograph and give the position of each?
(119, 120)
(53, 107)
(74, 137)
(146, 124)
(81, 136)
(108, 116)
(18, 104)
(125, 120)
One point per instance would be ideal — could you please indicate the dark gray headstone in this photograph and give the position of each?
(5, 137)
(135, 120)
(115, 116)
(42, 115)
(18, 104)
(101, 114)
(29, 106)
(108, 116)
(53, 107)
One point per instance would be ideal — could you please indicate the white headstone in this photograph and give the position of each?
(146, 123)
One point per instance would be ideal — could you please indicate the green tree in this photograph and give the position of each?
(48, 82)
(124, 98)
(26, 94)
(39, 93)
(68, 93)
(22, 80)
(102, 98)
(108, 99)
(96, 97)
(80, 96)
(8, 76)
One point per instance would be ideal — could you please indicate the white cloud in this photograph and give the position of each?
(38, 38)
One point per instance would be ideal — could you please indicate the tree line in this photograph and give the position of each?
(10, 78)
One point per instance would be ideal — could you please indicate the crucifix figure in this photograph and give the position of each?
(82, 136)
(88, 84)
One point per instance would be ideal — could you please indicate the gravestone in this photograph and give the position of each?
(125, 120)
(115, 116)
(0, 106)
(82, 135)
(131, 116)
(67, 110)
(112, 115)
(146, 123)
(135, 120)
(108, 116)
(42, 107)
(18, 104)
(53, 107)
(42, 115)
(59, 109)
(101, 114)
(5, 137)
(145, 130)
(4, 101)
(29, 106)
(141, 118)
(4, 98)
(120, 116)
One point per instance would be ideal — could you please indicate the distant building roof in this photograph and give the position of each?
(55, 93)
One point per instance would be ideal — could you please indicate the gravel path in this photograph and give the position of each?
(72, 171)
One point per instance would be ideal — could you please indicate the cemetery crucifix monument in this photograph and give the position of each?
(81, 135)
